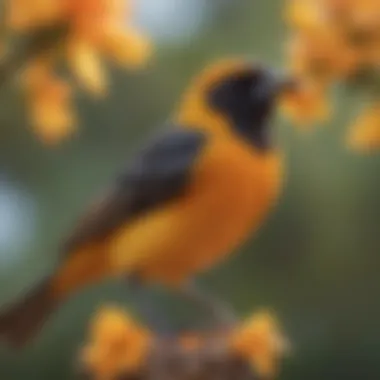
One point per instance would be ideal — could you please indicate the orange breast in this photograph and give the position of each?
(231, 191)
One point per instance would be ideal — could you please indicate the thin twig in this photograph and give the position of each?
(170, 361)
(35, 44)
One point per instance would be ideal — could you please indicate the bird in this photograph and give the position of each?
(184, 202)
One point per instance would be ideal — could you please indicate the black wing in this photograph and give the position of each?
(158, 174)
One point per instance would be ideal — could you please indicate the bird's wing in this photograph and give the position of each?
(157, 174)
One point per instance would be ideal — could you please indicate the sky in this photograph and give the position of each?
(185, 18)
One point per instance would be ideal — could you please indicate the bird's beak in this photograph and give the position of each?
(286, 84)
(272, 85)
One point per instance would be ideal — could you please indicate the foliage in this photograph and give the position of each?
(91, 30)
(335, 42)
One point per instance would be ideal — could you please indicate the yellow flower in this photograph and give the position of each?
(323, 54)
(304, 14)
(117, 345)
(330, 42)
(49, 102)
(98, 28)
(95, 30)
(307, 103)
(260, 341)
(24, 15)
(365, 132)
(125, 45)
(85, 62)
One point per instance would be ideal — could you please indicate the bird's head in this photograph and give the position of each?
(234, 96)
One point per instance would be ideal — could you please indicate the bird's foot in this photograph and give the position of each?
(221, 313)
(145, 306)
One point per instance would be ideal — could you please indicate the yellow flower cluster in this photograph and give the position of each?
(118, 346)
(96, 29)
(261, 342)
(332, 41)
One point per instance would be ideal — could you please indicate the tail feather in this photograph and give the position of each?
(23, 321)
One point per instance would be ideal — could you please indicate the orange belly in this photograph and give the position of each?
(231, 190)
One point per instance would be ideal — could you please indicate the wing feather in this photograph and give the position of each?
(157, 174)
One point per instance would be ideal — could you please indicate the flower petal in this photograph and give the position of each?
(306, 104)
(24, 15)
(52, 121)
(364, 135)
(260, 341)
(86, 65)
(48, 100)
(126, 46)
(117, 345)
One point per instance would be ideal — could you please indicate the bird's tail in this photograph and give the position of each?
(23, 320)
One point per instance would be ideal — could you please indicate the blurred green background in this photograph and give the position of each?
(316, 260)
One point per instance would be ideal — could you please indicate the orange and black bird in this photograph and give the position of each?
(186, 200)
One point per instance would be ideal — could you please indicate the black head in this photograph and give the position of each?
(247, 98)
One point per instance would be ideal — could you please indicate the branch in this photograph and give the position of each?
(119, 349)
(212, 361)
(40, 41)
